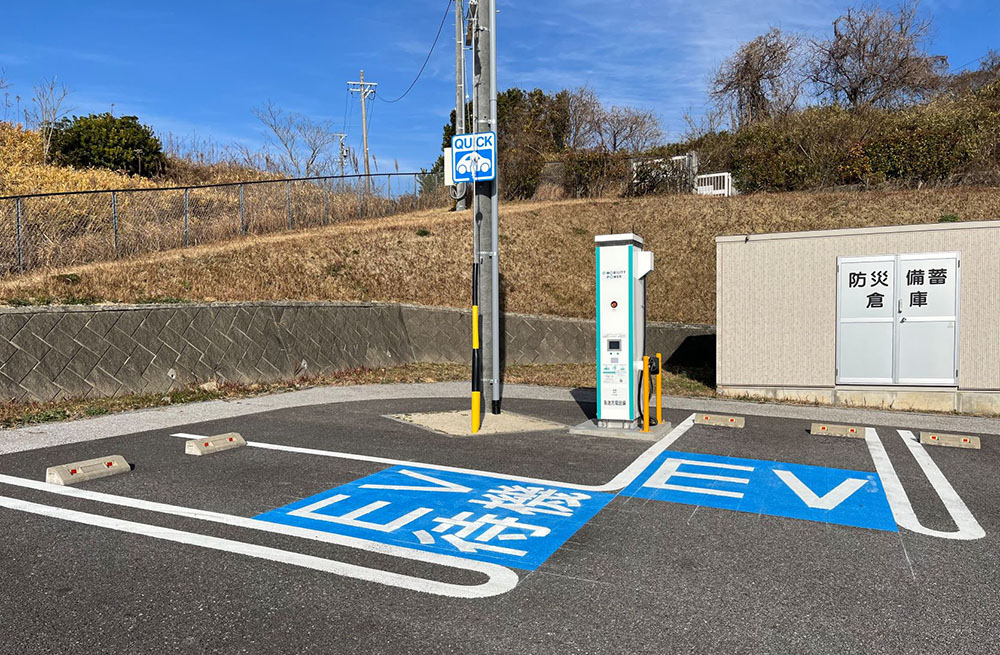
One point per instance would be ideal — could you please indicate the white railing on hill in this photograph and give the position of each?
(714, 184)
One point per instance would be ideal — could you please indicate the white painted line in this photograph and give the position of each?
(501, 579)
(902, 510)
(617, 483)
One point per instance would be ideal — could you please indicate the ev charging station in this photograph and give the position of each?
(622, 266)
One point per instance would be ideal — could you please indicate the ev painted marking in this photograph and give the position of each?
(811, 493)
(439, 484)
(829, 500)
(670, 469)
(353, 518)
(475, 515)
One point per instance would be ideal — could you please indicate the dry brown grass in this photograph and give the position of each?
(22, 169)
(546, 253)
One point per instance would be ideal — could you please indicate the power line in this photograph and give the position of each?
(974, 61)
(347, 108)
(447, 8)
(371, 111)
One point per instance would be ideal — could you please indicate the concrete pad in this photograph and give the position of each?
(459, 423)
(209, 445)
(90, 469)
(592, 429)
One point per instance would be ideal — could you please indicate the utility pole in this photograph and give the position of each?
(364, 89)
(486, 198)
(459, 85)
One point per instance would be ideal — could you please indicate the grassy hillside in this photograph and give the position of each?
(22, 168)
(546, 253)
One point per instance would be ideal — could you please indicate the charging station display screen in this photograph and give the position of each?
(614, 344)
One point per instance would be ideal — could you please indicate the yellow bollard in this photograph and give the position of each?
(476, 413)
(645, 391)
(659, 389)
(477, 393)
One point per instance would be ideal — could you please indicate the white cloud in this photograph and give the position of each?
(656, 55)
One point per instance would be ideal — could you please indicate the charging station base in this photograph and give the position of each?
(590, 428)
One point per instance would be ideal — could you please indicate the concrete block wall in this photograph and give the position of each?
(57, 352)
(444, 335)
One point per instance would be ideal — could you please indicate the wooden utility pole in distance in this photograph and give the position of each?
(364, 89)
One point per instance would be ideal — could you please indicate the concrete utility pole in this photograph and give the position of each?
(364, 89)
(459, 84)
(486, 198)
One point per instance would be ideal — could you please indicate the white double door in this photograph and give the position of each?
(897, 319)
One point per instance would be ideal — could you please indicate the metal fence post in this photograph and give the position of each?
(359, 195)
(288, 203)
(20, 251)
(186, 240)
(114, 218)
(243, 219)
(326, 206)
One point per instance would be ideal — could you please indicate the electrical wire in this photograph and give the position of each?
(371, 111)
(447, 8)
(974, 61)
(350, 115)
(347, 102)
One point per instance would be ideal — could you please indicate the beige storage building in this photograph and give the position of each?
(906, 317)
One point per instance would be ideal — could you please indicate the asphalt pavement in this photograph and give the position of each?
(338, 530)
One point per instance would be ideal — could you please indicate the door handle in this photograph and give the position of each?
(900, 305)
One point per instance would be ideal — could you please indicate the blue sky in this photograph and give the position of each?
(198, 68)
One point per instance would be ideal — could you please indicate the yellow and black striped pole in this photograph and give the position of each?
(477, 354)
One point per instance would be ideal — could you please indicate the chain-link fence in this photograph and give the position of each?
(60, 229)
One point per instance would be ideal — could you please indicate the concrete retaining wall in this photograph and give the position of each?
(57, 352)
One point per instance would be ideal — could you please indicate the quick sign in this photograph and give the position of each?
(473, 516)
(797, 491)
(474, 157)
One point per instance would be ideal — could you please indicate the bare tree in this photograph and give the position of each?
(4, 85)
(297, 145)
(969, 81)
(699, 125)
(584, 110)
(627, 129)
(761, 80)
(47, 110)
(877, 57)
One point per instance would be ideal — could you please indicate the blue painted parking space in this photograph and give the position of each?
(813, 493)
(478, 517)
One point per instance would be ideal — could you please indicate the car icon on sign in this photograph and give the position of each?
(472, 163)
